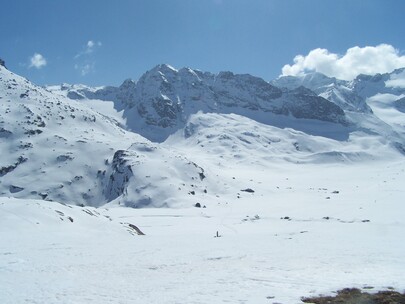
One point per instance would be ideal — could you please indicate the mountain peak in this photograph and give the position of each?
(128, 83)
(164, 68)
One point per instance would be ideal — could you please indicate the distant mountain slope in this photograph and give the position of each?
(349, 95)
(388, 83)
(239, 140)
(164, 98)
(337, 91)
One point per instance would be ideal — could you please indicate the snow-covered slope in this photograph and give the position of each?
(372, 103)
(233, 138)
(388, 83)
(305, 230)
(337, 91)
(349, 95)
(384, 93)
(53, 147)
(147, 175)
(77, 151)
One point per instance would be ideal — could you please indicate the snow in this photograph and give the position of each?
(301, 206)
(63, 141)
(257, 255)
(397, 80)
(384, 108)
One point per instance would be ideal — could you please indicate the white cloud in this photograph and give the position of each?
(85, 68)
(369, 60)
(90, 44)
(89, 48)
(85, 60)
(37, 61)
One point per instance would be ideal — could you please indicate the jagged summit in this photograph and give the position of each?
(164, 68)
(162, 100)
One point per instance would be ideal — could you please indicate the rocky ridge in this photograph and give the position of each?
(164, 98)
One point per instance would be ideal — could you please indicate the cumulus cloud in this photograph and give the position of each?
(37, 61)
(369, 60)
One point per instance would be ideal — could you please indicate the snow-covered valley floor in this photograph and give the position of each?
(306, 229)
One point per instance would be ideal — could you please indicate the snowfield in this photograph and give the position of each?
(242, 191)
(294, 236)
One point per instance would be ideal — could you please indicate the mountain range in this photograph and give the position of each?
(160, 141)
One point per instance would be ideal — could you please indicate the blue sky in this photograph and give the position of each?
(99, 42)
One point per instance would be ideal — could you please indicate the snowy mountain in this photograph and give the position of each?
(337, 91)
(53, 147)
(349, 95)
(296, 181)
(163, 99)
(76, 144)
(372, 103)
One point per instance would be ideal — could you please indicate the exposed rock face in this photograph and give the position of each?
(7, 169)
(163, 99)
(308, 105)
(2, 63)
(120, 174)
(339, 92)
(349, 95)
(388, 83)
(167, 97)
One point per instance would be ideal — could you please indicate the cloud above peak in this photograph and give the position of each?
(369, 60)
(37, 61)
